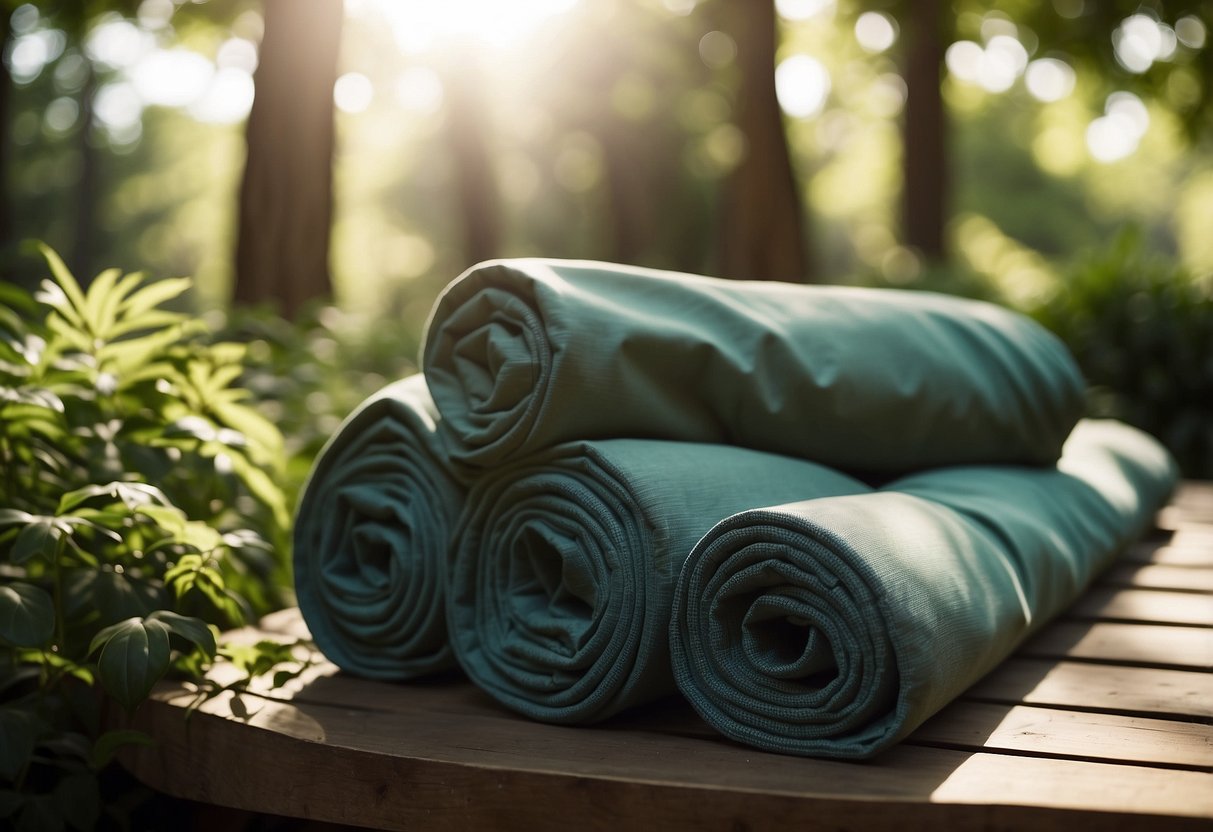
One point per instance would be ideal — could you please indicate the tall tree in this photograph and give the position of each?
(285, 212)
(925, 179)
(762, 233)
(475, 181)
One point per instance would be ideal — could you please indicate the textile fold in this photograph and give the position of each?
(371, 538)
(564, 566)
(834, 627)
(522, 355)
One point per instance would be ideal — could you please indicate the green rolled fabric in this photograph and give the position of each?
(564, 565)
(371, 537)
(834, 627)
(522, 355)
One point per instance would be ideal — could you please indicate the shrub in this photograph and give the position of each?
(1141, 328)
(138, 510)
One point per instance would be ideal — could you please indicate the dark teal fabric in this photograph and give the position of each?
(834, 627)
(522, 355)
(564, 565)
(371, 537)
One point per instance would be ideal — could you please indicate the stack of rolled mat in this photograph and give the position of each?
(670, 481)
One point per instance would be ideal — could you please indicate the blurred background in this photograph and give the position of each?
(331, 165)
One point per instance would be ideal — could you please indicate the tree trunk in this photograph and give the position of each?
(475, 183)
(924, 132)
(6, 103)
(282, 248)
(762, 233)
(86, 186)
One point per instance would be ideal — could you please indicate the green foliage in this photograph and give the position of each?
(139, 512)
(1142, 331)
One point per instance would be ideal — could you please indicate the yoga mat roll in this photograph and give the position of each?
(564, 565)
(522, 355)
(371, 538)
(834, 627)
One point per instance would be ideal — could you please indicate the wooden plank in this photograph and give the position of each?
(481, 768)
(1192, 502)
(1176, 551)
(1160, 576)
(1133, 690)
(1151, 645)
(1144, 605)
(1074, 734)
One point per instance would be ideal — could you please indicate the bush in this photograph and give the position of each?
(139, 512)
(1141, 328)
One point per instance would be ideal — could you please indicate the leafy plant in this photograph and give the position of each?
(1141, 328)
(139, 511)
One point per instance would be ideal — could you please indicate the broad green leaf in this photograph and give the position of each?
(155, 319)
(131, 494)
(27, 615)
(99, 303)
(12, 515)
(154, 294)
(107, 745)
(72, 335)
(264, 435)
(114, 595)
(63, 276)
(19, 731)
(194, 630)
(134, 655)
(40, 537)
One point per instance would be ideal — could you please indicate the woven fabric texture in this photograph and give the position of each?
(564, 565)
(834, 627)
(523, 355)
(371, 536)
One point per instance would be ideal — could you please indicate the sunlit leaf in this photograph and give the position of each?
(154, 294)
(12, 515)
(27, 615)
(194, 630)
(134, 655)
(99, 303)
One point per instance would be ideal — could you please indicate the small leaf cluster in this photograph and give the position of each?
(139, 512)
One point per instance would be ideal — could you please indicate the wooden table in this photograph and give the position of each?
(1104, 720)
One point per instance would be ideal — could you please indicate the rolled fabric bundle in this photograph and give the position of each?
(834, 627)
(371, 537)
(564, 565)
(521, 355)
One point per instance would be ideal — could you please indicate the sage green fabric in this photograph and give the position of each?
(564, 565)
(834, 627)
(522, 355)
(371, 537)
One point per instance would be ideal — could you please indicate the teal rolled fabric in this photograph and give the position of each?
(834, 627)
(371, 538)
(521, 355)
(564, 565)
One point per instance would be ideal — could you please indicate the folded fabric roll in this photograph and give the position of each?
(834, 627)
(521, 355)
(564, 566)
(371, 538)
